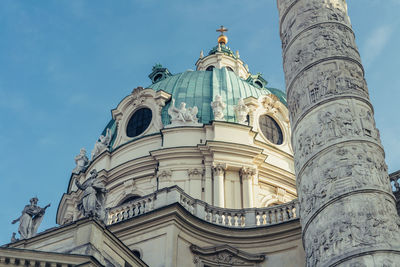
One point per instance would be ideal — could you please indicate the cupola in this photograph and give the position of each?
(159, 73)
(222, 56)
(257, 80)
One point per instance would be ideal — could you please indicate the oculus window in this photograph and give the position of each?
(271, 130)
(139, 122)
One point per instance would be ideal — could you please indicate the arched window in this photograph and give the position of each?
(230, 69)
(158, 77)
(139, 122)
(210, 68)
(258, 84)
(270, 129)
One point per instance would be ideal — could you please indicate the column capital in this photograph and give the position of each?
(219, 168)
(247, 172)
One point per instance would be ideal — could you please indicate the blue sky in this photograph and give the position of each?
(65, 64)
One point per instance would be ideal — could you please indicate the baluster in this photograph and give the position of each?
(296, 210)
(285, 213)
(213, 218)
(290, 211)
(124, 214)
(141, 208)
(137, 209)
(268, 217)
(220, 217)
(273, 216)
(224, 218)
(207, 214)
(258, 219)
(280, 217)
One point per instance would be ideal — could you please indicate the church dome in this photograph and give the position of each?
(199, 88)
(218, 133)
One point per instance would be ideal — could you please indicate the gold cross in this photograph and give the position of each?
(222, 30)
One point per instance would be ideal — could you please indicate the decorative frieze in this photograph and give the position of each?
(300, 18)
(325, 41)
(328, 80)
(342, 120)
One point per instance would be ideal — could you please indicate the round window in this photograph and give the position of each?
(271, 130)
(139, 122)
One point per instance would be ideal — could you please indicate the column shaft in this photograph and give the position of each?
(219, 190)
(348, 211)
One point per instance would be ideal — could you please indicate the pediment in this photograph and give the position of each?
(224, 255)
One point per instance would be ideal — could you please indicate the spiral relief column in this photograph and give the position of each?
(348, 212)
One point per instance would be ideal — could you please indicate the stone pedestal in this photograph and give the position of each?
(348, 212)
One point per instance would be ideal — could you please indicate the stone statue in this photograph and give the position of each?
(241, 111)
(30, 219)
(182, 116)
(218, 108)
(92, 202)
(81, 161)
(101, 144)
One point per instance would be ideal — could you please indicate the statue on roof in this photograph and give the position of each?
(81, 161)
(241, 111)
(218, 108)
(183, 116)
(30, 219)
(101, 144)
(92, 202)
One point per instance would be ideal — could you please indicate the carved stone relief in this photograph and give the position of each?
(361, 221)
(224, 255)
(354, 166)
(325, 40)
(309, 13)
(336, 122)
(333, 78)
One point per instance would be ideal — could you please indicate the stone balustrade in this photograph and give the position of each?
(234, 218)
(395, 178)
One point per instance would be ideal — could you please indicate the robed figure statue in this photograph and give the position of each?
(92, 202)
(30, 219)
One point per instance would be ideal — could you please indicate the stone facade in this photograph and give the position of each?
(347, 207)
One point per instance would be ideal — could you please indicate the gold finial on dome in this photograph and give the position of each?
(222, 39)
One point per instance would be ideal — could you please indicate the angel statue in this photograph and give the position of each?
(218, 108)
(81, 161)
(30, 219)
(101, 144)
(241, 111)
(183, 116)
(92, 202)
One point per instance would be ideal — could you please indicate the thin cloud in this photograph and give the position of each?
(375, 43)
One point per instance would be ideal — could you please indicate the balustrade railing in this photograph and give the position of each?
(234, 218)
(395, 178)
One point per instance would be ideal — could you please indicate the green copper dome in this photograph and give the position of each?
(199, 88)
